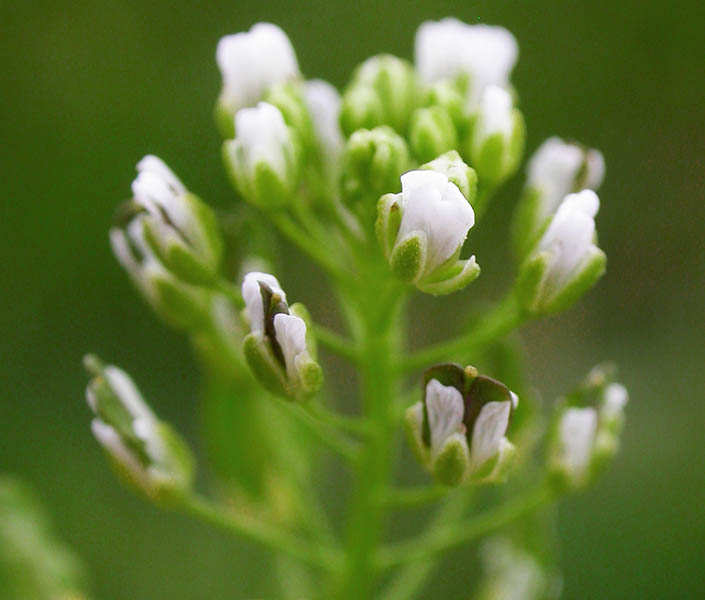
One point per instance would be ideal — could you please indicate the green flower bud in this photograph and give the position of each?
(180, 228)
(565, 262)
(497, 141)
(450, 97)
(279, 348)
(422, 230)
(586, 429)
(431, 133)
(457, 172)
(383, 91)
(182, 305)
(147, 453)
(264, 159)
(373, 161)
(289, 98)
(458, 431)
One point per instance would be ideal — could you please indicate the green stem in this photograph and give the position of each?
(414, 497)
(503, 319)
(337, 343)
(407, 583)
(249, 527)
(355, 425)
(440, 539)
(365, 524)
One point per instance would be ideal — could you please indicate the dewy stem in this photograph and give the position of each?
(379, 342)
(500, 321)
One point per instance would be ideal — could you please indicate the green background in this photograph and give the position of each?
(88, 88)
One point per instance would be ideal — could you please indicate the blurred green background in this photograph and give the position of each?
(89, 88)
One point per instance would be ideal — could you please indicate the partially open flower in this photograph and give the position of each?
(566, 262)
(250, 62)
(264, 158)
(181, 229)
(146, 451)
(587, 428)
(422, 231)
(458, 431)
(278, 349)
(475, 55)
(556, 169)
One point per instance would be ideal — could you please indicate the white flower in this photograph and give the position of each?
(555, 168)
(252, 295)
(433, 205)
(323, 103)
(448, 49)
(615, 400)
(577, 431)
(252, 61)
(495, 115)
(489, 431)
(444, 405)
(290, 332)
(569, 239)
(264, 137)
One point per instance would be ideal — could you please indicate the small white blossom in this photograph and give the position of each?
(290, 332)
(448, 49)
(554, 171)
(444, 405)
(264, 137)
(577, 431)
(252, 295)
(433, 205)
(489, 430)
(569, 239)
(252, 61)
(495, 115)
(323, 103)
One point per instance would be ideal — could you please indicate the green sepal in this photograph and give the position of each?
(413, 426)
(224, 119)
(496, 469)
(497, 157)
(530, 280)
(408, 256)
(459, 173)
(264, 364)
(287, 96)
(592, 269)
(452, 462)
(181, 305)
(461, 273)
(431, 133)
(388, 221)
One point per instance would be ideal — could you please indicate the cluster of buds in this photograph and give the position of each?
(458, 430)
(279, 348)
(586, 430)
(146, 452)
(423, 228)
(168, 241)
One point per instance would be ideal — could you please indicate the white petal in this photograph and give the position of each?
(252, 61)
(154, 164)
(290, 332)
(445, 409)
(495, 114)
(323, 102)
(126, 390)
(577, 431)
(437, 207)
(489, 429)
(595, 169)
(264, 136)
(252, 296)
(616, 398)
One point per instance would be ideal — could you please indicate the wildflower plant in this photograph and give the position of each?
(381, 187)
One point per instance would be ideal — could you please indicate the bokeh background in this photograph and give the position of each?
(90, 87)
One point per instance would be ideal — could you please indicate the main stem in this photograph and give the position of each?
(379, 343)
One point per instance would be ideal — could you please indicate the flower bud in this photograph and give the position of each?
(497, 137)
(450, 97)
(250, 62)
(180, 228)
(180, 304)
(147, 452)
(278, 348)
(382, 92)
(264, 158)
(457, 172)
(422, 231)
(458, 431)
(586, 430)
(566, 262)
(323, 103)
(555, 170)
(373, 161)
(431, 133)
(476, 56)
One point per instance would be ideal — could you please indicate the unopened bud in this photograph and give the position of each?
(431, 133)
